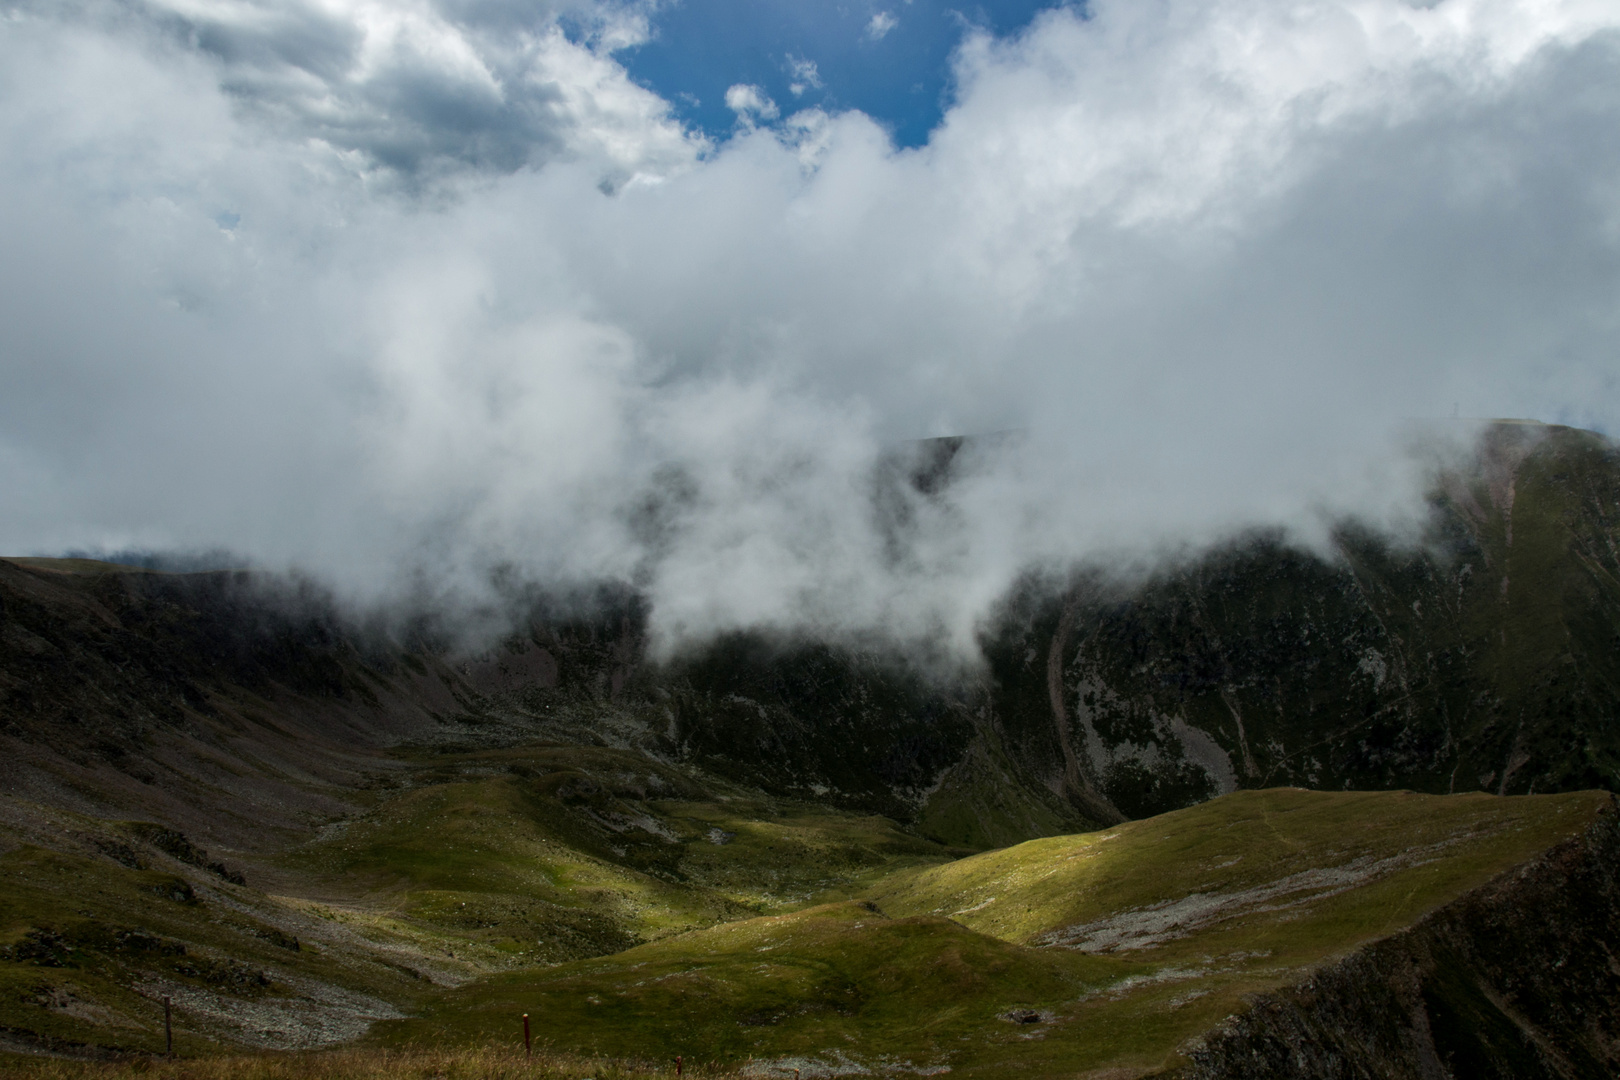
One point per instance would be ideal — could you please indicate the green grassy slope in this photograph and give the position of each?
(416, 818)
(838, 979)
(90, 949)
(1269, 862)
(1105, 951)
(479, 862)
(555, 853)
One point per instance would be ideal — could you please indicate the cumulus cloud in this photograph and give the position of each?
(750, 103)
(803, 74)
(1205, 257)
(880, 25)
(416, 89)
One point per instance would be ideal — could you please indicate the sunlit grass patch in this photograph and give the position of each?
(89, 948)
(561, 852)
(837, 978)
(1106, 950)
(1358, 863)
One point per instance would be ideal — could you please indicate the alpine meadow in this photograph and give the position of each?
(636, 539)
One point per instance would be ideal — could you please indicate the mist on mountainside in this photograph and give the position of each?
(1129, 584)
(279, 303)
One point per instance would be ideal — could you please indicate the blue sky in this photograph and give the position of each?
(896, 69)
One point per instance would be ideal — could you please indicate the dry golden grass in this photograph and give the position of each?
(478, 1063)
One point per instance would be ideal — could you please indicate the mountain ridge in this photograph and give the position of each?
(302, 823)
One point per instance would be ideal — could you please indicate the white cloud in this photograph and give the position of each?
(880, 25)
(803, 74)
(750, 103)
(413, 92)
(1206, 254)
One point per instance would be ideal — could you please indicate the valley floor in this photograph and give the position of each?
(637, 911)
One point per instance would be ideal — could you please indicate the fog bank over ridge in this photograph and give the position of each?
(403, 292)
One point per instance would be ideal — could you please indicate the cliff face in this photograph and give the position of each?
(1519, 979)
(1486, 657)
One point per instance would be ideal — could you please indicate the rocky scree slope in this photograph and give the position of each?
(1517, 980)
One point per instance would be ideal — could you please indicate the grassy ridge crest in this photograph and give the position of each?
(1109, 950)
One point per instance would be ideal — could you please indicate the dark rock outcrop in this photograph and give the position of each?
(1519, 980)
(1485, 656)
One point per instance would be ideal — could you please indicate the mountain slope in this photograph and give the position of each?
(1482, 656)
(1109, 953)
(198, 771)
(1486, 657)
(470, 863)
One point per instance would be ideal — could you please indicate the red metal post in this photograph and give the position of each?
(677, 1064)
(528, 1047)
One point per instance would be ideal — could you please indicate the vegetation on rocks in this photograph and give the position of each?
(308, 830)
(1108, 950)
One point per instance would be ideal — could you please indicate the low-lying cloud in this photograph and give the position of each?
(394, 289)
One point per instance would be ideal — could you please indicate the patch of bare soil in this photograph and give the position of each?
(1168, 920)
(321, 1014)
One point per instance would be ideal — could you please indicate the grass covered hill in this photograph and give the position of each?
(639, 914)
(1163, 811)
(468, 863)
(1104, 953)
